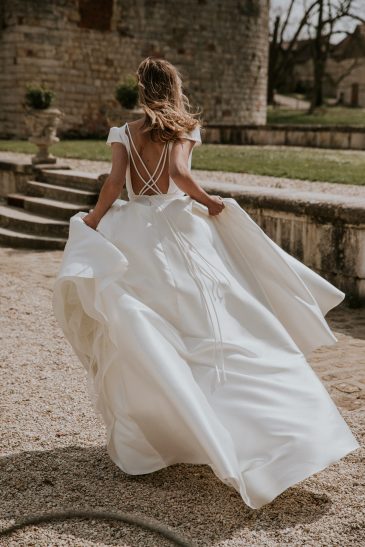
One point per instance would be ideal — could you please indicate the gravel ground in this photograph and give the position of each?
(101, 167)
(54, 455)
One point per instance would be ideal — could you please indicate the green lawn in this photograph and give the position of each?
(314, 164)
(86, 149)
(325, 116)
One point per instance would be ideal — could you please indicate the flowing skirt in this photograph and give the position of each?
(194, 331)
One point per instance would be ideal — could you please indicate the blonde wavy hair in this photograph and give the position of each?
(160, 93)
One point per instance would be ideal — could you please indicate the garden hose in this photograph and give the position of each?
(101, 515)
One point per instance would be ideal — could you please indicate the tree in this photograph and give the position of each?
(320, 22)
(330, 18)
(281, 57)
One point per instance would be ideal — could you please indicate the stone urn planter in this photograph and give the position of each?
(41, 120)
(42, 125)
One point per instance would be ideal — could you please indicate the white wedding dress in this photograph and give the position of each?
(194, 332)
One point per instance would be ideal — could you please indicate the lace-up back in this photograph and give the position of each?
(151, 182)
(122, 134)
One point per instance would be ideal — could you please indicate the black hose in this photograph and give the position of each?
(101, 515)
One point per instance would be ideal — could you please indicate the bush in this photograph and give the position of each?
(126, 92)
(38, 96)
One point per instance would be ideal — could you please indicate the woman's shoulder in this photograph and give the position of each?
(116, 134)
(119, 133)
(194, 135)
(135, 123)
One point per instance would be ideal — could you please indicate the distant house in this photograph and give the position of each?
(345, 69)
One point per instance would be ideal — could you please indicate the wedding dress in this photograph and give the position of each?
(194, 331)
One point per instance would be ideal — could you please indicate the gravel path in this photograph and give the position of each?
(100, 167)
(54, 456)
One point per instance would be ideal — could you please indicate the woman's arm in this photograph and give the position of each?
(181, 175)
(112, 186)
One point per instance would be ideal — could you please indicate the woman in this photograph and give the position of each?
(192, 324)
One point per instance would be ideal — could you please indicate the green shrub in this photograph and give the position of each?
(126, 92)
(38, 96)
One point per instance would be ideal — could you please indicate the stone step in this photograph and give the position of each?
(46, 207)
(19, 220)
(60, 193)
(29, 241)
(57, 165)
(75, 179)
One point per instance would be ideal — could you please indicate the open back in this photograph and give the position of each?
(150, 180)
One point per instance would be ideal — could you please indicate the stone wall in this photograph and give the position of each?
(326, 233)
(317, 136)
(13, 176)
(81, 49)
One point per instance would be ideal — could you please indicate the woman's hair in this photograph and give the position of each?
(161, 96)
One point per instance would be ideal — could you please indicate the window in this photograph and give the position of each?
(95, 14)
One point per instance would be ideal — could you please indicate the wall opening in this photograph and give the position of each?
(95, 14)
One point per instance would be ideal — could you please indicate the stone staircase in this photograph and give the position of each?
(38, 216)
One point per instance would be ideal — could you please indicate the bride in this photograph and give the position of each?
(192, 324)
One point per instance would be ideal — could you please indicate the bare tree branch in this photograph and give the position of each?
(285, 24)
(320, 20)
(356, 18)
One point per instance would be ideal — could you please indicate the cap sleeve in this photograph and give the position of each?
(193, 135)
(116, 134)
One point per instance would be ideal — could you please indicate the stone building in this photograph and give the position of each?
(82, 48)
(349, 71)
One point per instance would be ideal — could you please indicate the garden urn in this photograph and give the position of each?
(42, 125)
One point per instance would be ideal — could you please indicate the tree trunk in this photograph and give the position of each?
(273, 56)
(318, 62)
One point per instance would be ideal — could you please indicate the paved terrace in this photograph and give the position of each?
(54, 454)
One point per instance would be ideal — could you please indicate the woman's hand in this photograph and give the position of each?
(215, 205)
(91, 220)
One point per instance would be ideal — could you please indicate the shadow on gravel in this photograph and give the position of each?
(348, 321)
(187, 498)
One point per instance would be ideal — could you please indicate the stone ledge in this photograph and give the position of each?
(24, 166)
(17, 166)
(289, 127)
(15, 173)
(319, 206)
(325, 232)
(315, 136)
